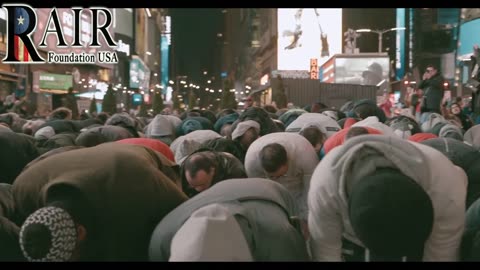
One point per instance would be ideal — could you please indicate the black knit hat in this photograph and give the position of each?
(391, 214)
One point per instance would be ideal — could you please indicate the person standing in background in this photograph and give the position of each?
(432, 85)
(70, 101)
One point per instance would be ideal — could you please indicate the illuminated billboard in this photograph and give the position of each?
(306, 33)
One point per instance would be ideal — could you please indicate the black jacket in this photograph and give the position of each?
(9, 231)
(470, 247)
(465, 157)
(16, 151)
(433, 89)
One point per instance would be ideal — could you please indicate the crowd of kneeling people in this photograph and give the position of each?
(255, 185)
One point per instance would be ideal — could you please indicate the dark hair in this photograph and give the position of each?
(365, 110)
(313, 135)
(432, 66)
(103, 117)
(200, 161)
(455, 103)
(273, 156)
(355, 131)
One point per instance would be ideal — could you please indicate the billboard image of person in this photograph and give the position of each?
(307, 33)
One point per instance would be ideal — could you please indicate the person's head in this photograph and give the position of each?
(314, 136)
(225, 122)
(246, 132)
(403, 126)
(60, 113)
(356, 131)
(248, 102)
(200, 169)
(226, 130)
(373, 75)
(249, 137)
(455, 109)
(317, 107)
(366, 109)
(190, 125)
(103, 117)
(419, 92)
(274, 160)
(60, 230)
(202, 237)
(391, 214)
(70, 90)
(431, 70)
(459, 101)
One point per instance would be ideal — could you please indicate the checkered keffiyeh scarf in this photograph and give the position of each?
(62, 234)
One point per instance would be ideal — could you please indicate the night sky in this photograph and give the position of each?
(194, 34)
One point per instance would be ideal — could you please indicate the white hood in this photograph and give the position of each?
(373, 122)
(187, 144)
(326, 124)
(360, 156)
(211, 234)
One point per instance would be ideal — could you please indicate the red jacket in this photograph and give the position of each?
(152, 144)
(339, 138)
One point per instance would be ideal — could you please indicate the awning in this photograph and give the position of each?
(10, 76)
(53, 91)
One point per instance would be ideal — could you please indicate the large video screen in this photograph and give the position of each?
(306, 33)
(468, 38)
(364, 71)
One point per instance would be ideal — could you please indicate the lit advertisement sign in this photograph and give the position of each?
(164, 68)
(468, 38)
(306, 33)
(364, 71)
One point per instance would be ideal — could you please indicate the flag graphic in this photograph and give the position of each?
(21, 23)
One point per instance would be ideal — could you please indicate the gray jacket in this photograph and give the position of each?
(444, 182)
(263, 209)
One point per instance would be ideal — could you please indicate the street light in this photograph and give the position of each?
(380, 34)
